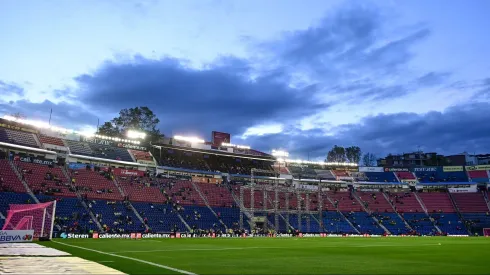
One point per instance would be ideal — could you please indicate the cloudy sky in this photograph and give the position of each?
(302, 75)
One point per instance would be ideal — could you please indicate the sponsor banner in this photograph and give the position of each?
(471, 189)
(128, 173)
(478, 167)
(409, 181)
(396, 169)
(371, 169)
(75, 236)
(452, 168)
(16, 236)
(77, 166)
(425, 169)
(206, 180)
(308, 187)
(147, 162)
(131, 146)
(111, 236)
(220, 137)
(34, 160)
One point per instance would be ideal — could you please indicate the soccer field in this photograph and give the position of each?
(436, 255)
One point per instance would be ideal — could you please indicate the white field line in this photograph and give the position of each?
(105, 261)
(268, 247)
(129, 258)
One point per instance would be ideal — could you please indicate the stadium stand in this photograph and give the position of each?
(51, 140)
(470, 202)
(141, 155)
(19, 138)
(440, 176)
(9, 182)
(79, 148)
(479, 176)
(380, 177)
(141, 189)
(436, 202)
(43, 179)
(96, 185)
(405, 175)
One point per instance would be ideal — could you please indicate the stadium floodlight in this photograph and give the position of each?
(189, 139)
(225, 144)
(135, 134)
(280, 153)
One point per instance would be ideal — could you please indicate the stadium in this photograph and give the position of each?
(184, 205)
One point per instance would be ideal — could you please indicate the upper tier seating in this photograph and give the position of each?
(95, 185)
(405, 203)
(9, 182)
(479, 176)
(440, 176)
(302, 171)
(51, 140)
(17, 137)
(470, 202)
(79, 148)
(325, 174)
(109, 152)
(141, 155)
(381, 177)
(36, 176)
(405, 175)
(209, 162)
(375, 201)
(437, 202)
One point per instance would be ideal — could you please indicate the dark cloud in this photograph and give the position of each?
(457, 129)
(433, 79)
(64, 114)
(7, 89)
(220, 97)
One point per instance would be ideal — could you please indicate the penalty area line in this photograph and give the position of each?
(128, 258)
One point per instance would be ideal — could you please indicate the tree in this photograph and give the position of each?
(353, 154)
(337, 154)
(369, 159)
(140, 119)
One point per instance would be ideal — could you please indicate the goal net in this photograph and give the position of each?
(38, 217)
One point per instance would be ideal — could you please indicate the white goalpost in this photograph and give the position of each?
(33, 221)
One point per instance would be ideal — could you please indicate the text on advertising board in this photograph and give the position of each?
(16, 236)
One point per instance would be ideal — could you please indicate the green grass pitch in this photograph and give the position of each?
(437, 255)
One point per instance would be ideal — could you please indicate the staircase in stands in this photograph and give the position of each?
(459, 212)
(196, 187)
(84, 204)
(354, 194)
(394, 210)
(116, 183)
(426, 212)
(342, 214)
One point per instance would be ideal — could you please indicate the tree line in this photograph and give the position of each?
(351, 154)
